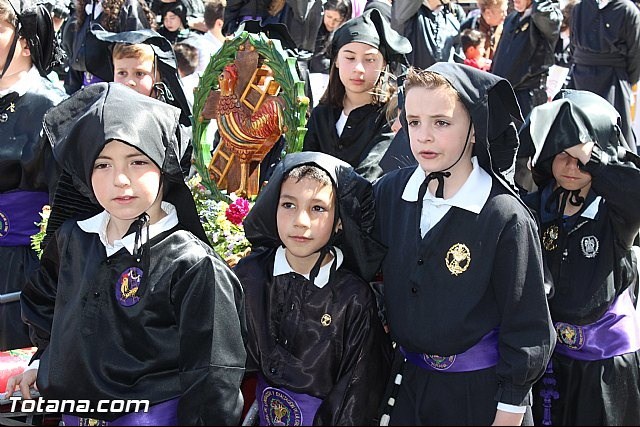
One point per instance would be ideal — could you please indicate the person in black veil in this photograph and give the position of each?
(28, 52)
(314, 335)
(588, 208)
(130, 301)
(463, 281)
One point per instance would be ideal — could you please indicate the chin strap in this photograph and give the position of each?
(560, 197)
(12, 51)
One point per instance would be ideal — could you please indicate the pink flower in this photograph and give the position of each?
(237, 210)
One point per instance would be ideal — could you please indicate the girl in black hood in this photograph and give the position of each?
(588, 207)
(130, 302)
(462, 276)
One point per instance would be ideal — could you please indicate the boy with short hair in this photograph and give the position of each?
(314, 336)
(130, 302)
(27, 54)
(464, 261)
(134, 65)
(473, 47)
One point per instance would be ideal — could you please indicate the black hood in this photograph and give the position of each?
(166, 61)
(493, 108)
(36, 26)
(573, 117)
(372, 29)
(78, 129)
(354, 205)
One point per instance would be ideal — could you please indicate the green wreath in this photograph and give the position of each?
(285, 73)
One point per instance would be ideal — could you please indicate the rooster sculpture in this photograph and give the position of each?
(247, 131)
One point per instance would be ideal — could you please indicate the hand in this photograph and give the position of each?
(581, 152)
(24, 380)
(504, 418)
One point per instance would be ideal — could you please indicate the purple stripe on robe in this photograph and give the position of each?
(481, 356)
(282, 407)
(617, 332)
(19, 213)
(162, 414)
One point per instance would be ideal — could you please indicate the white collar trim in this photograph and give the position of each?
(281, 266)
(472, 196)
(98, 225)
(592, 209)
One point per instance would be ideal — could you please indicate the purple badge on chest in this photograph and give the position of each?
(441, 363)
(280, 409)
(127, 287)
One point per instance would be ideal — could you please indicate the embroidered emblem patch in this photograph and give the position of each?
(279, 409)
(550, 237)
(524, 26)
(570, 335)
(4, 225)
(590, 246)
(325, 320)
(458, 258)
(441, 363)
(127, 287)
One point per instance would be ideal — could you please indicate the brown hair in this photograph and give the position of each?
(429, 80)
(213, 10)
(140, 51)
(111, 16)
(335, 92)
(7, 13)
(186, 57)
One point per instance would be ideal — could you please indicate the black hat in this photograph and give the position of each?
(573, 117)
(372, 29)
(78, 129)
(354, 204)
(493, 107)
(36, 26)
(163, 51)
(274, 31)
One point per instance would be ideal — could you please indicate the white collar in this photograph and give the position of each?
(591, 210)
(98, 225)
(281, 266)
(602, 3)
(24, 84)
(471, 196)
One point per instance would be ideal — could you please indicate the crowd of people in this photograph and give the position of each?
(457, 242)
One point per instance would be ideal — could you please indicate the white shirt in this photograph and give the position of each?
(472, 196)
(281, 266)
(98, 224)
(341, 123)
(22, 86)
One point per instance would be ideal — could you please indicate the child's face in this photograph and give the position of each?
(494, 15)
(21, 58)
(521, 5)
(126, 182)
(305, 217)
(172, 22)
(359, 66)
(438, 124)
(137, 73)
(567, 173)
(332, 20)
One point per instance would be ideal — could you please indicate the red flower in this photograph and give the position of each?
(237, 210)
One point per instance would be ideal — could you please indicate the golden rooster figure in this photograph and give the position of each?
(249, 127)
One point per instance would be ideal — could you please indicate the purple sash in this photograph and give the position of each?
(481, 356)
(282, 407)
(89, 79)
(162, 414)
(616, 332)
(19, 213)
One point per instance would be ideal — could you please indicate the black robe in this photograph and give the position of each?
(183, 339)
(25, 164)
(599, 392)
(432, 311)
(364, 140)
(526, 51)
(346, 364)
(606, 54)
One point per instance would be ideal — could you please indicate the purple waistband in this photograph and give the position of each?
(616, 332)
(481, 356)
(162, 414)
(19, 213)
(89, 79)
(282, 407)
